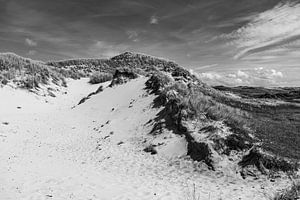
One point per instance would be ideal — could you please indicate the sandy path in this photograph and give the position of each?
(94, 151)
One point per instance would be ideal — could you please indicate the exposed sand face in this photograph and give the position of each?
(94, 151)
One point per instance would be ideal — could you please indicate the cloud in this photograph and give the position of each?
(267, 73)
(153, 19)
(211, 76)
(133, 35)
(177, 30)
(253, 77)
(206, 67)
(30, 42)
(242, 74)
(276, 27)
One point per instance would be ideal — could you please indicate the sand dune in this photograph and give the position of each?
(49, 150)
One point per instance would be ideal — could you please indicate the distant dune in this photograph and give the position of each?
(288, 94)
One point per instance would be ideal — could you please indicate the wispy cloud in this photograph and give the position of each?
(30, 42)
(270, 29)
(133, 35)
(153, 19)
(206, 67)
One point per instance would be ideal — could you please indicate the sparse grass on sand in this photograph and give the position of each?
(192, 194)
(27, 73)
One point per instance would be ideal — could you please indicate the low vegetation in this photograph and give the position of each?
(192, 194)
(100, 77)
(184, 100)
(123, 75)
(78, 68)
(291, 193)
(26, 73)
(288, 94)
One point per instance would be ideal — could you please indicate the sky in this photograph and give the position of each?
(229, 42)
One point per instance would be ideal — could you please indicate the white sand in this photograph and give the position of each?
(50, 151)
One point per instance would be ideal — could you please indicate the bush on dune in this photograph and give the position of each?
(123, 75)
(159, 81)
(99, 77)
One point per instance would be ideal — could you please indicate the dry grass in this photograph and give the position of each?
(27, 73)
(99, 77)
(279, 131)
(158, 83)
(200, 105)
(192, 194)
(78, 68)
(292, 193)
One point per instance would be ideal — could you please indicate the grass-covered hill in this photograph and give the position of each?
(27, 73)
(77, 68)
(139, 62)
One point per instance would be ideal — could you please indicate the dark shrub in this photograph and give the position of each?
(123, 75)
(30, 82)
(150, 149)
(4, 81)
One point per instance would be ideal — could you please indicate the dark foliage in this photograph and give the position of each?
(122, 75)
(264, 161)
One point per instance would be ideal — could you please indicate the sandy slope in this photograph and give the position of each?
(94, 151)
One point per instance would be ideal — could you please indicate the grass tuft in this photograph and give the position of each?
(292, 193)
(99, 77)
